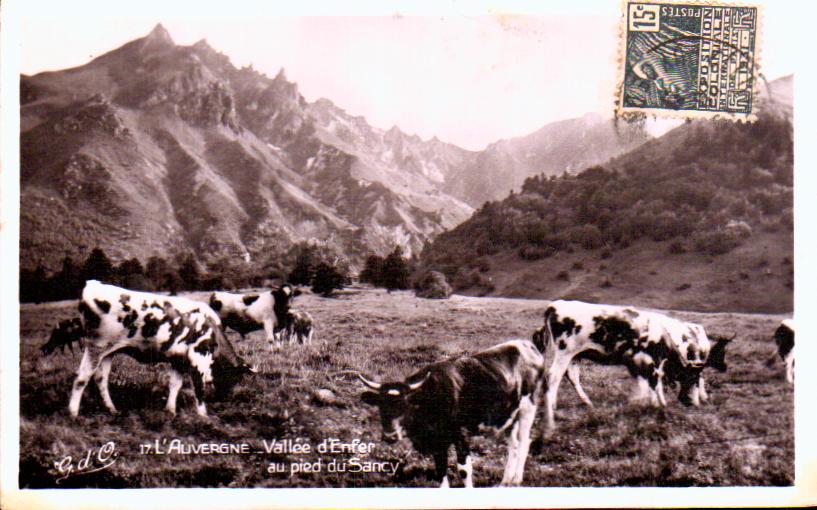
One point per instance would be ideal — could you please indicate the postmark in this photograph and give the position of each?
(689, 60)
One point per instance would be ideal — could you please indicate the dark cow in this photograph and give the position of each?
(650, 345)
(245, 313)
(784, 338)
(443, 403)
(150, 328)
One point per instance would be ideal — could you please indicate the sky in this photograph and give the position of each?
(470, 76)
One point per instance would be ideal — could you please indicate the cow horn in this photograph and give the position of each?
(416, 386)
(368, 382)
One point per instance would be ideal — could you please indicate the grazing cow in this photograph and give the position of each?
(650, 345)
(300, 325)
(246, 313)
(439, 405)
(150, 328)
(784, 338)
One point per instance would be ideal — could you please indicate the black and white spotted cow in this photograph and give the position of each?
(652, 346)
(151, 328)
(300, 326)
(443, 403)
(784, 338)
(245, 313)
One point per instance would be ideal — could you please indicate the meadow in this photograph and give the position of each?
(307, 394)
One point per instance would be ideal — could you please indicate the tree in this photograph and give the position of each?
(373, 270)
(304, 270)
(189, 273)
(97, 267)
(158, 273)
(395, 273)
(327, 278)
(32, 285)
(68, 282)
(131, 274)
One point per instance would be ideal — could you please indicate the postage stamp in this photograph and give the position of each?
(690, 60)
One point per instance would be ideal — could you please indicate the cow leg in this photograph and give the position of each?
(702, 390)
(464, 465)
(557, 371)
(527, 413)
(198, 391)
(695, 394)
(513, 455)
(441, 467)
(84, 373)
(269, 331)
(573, 377)
(101, 376)
(790, 367)
(173, 385)
(643, 393)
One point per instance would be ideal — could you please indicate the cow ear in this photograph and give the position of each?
(371, 398)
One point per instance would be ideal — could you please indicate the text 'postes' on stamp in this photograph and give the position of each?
(690, 60)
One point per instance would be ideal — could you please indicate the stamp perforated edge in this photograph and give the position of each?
(630, 114)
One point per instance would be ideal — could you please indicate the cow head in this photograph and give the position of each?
(229, 368)
(688, 373)
(282, 297)
(66, 333)
(717, 356)
(392, 400)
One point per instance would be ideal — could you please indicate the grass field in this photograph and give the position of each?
(744, 436)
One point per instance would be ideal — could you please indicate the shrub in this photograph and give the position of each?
(373, 270)
(587, 236)
(684, 286)
(563, 275)
(432, 285)
(606, 283)
(677, 248)
(578, 265)
(327, 279)
(395, 271)
(606, 254)
(717, 242)
(535, 252)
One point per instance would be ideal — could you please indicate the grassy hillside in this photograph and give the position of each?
(706, 207)
(744, 436)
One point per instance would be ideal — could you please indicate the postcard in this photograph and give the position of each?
(405, 255)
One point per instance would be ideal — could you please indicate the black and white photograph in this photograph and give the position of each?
(544, 248)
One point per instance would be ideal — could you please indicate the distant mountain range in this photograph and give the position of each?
(159, 149)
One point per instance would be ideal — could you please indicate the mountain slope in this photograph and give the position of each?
(155, 148)
(700, 218)
(565, 146)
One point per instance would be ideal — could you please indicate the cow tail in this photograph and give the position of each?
(548, 340)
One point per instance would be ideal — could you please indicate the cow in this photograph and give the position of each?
(650, 345)
(299, 325)
(442, 403)
(245, 313)
(784, 338)
(151, 328)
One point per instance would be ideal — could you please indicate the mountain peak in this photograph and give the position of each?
(159, 36)
(202, 44)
